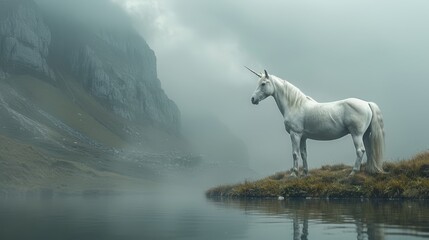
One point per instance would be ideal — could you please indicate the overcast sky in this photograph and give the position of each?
(374, 50)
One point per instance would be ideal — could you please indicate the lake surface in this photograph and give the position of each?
(187, 216)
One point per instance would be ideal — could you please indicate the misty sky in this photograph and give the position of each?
(374, 50)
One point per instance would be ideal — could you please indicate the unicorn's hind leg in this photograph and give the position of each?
(360, 151)
(367, 144)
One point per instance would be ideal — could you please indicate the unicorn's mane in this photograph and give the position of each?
(294, 96)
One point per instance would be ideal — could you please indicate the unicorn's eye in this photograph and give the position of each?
(263, 84)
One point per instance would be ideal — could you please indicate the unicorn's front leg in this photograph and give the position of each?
(303, 149)
(296, 152)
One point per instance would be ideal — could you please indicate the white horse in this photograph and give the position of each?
(304, 118)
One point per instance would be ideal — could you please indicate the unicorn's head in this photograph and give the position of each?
(265, 87)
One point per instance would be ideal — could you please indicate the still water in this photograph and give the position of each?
(176, 216)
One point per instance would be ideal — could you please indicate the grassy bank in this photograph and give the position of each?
(405, 179)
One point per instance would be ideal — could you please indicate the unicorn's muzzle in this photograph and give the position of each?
(254, 100)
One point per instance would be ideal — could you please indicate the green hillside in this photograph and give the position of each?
(70, 104)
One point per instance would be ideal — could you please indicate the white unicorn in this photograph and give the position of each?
(304, 118)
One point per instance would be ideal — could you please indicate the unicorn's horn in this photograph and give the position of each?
(257, 74)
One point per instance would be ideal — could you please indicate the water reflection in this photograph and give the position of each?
(297, 234)
(190, 217)
(372, 220)
(156, 216)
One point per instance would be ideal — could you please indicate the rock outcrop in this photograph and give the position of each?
(24, 39)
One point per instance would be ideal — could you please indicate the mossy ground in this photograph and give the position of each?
(404, 179)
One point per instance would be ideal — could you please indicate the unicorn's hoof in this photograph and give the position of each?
(293, 175)
(306, 175)
(352, 174)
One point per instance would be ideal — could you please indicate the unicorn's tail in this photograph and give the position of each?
(374, 141)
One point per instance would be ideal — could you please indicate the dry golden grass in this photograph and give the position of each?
(404, 179)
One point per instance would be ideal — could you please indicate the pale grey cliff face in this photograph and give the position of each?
(120, 69)
(24, 38)
(113, 64)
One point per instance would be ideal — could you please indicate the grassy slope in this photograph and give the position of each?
(54, 101)
(25, 168)
(405, 179)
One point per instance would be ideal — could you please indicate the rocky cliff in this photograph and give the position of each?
(80, 100)
(119, 68)
(24, 39)
(114, 64)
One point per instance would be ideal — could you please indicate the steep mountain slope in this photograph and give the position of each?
(113, 64)
(77, 95)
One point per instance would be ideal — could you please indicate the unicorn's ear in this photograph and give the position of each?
(266, 74)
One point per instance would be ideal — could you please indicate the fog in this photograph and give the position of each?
(95, 12)
(377, 51)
